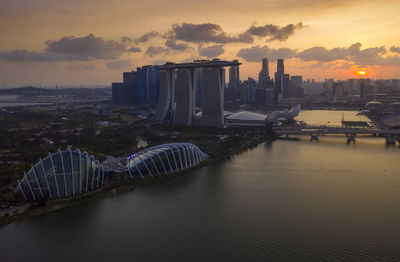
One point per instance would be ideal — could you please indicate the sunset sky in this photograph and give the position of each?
(91, 42)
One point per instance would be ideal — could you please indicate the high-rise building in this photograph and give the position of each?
(282, 89)
(263, 77)
(130, 86)
(184, 90)
(286, 92)
(147, 81)
(213, 107)
(337, 90)
(261, 96)
(280, 68)
(138, 88)
(178, 89)
(269, 97)
(199, 90)
(296, 87)
(118, 93)
(281, 82)
(234, 81)
(265, 67)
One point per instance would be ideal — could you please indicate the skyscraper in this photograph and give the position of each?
(138, 88)
(130, 86)
(263, 76)
(280, 68)
(184, 90)
(280, 81)
(234, 81)
(213, 106)
(178, 89)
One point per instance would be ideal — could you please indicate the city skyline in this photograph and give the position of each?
(317, 40)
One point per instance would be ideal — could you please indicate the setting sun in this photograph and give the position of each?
(361, 73)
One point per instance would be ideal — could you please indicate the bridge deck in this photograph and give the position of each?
(337, 131)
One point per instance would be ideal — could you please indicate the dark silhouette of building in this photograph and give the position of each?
(264, 81)
(261, 96)
(178, 89)
(234, 81)
(138, 88)
(280, 67)
(296, 87)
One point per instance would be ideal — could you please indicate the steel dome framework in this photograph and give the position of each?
(63, 174)
(164, 159)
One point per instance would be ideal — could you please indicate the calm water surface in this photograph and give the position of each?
(292, 200)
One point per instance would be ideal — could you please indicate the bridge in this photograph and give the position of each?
(392, 135)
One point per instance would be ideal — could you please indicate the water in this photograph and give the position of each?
(292, 200)
(14, 101)
(329, 117)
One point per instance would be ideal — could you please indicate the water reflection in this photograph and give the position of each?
(291, 200)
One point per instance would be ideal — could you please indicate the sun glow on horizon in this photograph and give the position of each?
(361, 73)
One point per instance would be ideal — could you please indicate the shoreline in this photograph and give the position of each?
(124, 186)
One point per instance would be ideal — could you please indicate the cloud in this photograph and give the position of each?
(321, 54)
(20, 55)
(364, 57)
(85, 48)
(70, 48)
(213, 33)
(211, 51)
(80, 67)
(134, 50)
(157, 50)
(146, 37)
(257, 53)
(197, 33)
(274, 32)
(395, 49)
(171, 46)
(126, 39)
(175, 46)
(119, 64)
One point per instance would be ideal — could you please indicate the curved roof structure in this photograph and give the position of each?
(247, 116)
(164, 159)
(61, 175)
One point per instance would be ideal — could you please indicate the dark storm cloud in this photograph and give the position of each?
(134, 50)
(395, 49)
(170, 43)
(211, 51)
(119, 64)
(273, 32)
(256, 53)
(146, 37)
(213, 33)
(70, 48)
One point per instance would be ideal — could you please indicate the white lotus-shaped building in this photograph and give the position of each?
(63, 174)
(164, 159)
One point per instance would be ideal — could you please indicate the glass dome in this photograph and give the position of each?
(63, 174)
(164, 159)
